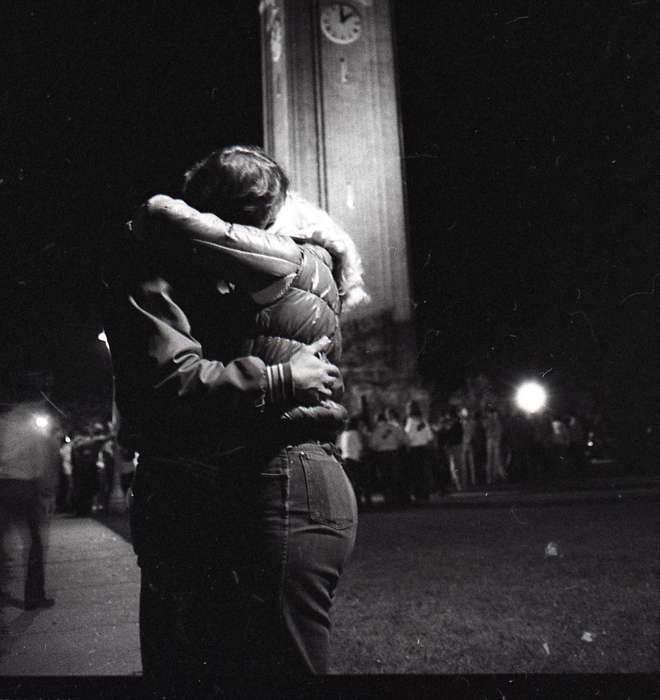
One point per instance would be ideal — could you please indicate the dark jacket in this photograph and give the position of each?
(186, 395)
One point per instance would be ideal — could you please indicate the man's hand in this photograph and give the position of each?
(313, 378)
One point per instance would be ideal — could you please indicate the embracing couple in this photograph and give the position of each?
(222, 317)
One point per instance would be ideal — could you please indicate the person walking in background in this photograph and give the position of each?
(388, 440)
(420, 451)
(29, 471)
(351, 448)
(493, 429)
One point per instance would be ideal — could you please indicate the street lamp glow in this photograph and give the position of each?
(531, 397)
(41, 422)
(102, 337)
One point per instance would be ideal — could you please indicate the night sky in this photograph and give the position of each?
(531, 134)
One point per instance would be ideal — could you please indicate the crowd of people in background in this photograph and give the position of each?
(92, 465)
(406, 460)
(403, 457)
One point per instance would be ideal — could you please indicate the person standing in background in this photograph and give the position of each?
(105, 470)
(125, 460)
(468, 468)
(388, 440)
(577, 442)
(84, 458)
(493, 428)
(404, 490)
(29, 471)
(559, 446)
(66, 476)
(453, 439)
(351, 447)
(420, 452)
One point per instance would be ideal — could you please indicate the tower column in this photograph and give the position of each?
(331, 118)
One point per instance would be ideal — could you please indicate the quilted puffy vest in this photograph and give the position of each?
(308, 310)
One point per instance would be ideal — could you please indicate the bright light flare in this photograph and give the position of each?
(102, 337)
(42, 422)
(531, 397)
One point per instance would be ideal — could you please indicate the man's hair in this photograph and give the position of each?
(240, 184)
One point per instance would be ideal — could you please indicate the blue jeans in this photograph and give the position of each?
(253, 596)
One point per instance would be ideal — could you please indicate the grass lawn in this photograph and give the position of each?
(470, 590)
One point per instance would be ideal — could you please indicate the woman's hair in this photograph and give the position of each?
(304, 221)
(414, 409)
(239, 183)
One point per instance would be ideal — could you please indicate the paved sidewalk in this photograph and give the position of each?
(93, 627)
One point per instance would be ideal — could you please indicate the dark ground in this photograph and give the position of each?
(470, 590)
(458, 587)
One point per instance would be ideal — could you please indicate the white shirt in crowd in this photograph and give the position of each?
(419, 432)
(388, 436)
(350, 445)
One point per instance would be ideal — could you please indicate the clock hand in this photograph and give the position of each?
(344, 16)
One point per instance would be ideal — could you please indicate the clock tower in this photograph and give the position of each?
(331, 119)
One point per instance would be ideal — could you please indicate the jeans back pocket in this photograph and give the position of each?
(329, 493)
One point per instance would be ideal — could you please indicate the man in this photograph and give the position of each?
(186, 403)
(29, 461)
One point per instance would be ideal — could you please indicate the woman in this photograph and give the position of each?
(297, 517)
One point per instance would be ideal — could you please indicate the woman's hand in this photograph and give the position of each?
(313, 377)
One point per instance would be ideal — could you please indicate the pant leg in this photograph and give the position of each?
(455, 470)
(84, 488)
(7, 504)
(497, 459)
(192, 619)
(36, 528)
(20, 505)
(308, 527)
(189, 533)
(469, 476)
(490, 461)
(353, 471)
(420, 470)
(390, 469)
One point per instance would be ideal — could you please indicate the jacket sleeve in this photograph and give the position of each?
(164, 386)
(179, 370)
(264, 264)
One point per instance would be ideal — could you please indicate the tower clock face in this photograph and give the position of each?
(341, 23)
